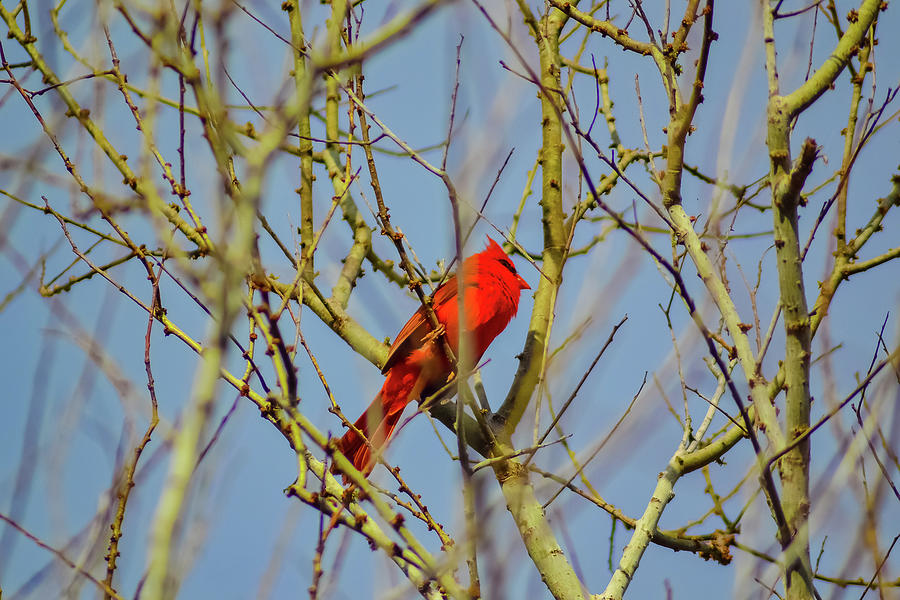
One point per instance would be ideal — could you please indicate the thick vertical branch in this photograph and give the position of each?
(539, 539)
(794, 467)
(301, 78)
(552, 219)
(786, 186)
(332, 90)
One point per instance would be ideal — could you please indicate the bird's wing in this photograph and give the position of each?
(410, 337)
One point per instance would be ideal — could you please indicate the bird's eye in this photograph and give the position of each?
(508, 264)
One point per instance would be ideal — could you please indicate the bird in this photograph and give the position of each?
(417, 366)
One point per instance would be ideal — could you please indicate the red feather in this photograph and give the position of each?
(415, 368)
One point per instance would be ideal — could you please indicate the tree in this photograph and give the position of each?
(710, 311)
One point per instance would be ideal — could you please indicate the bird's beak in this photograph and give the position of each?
(522, 283)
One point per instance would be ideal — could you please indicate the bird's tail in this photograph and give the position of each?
(377, 424)
(403, 383)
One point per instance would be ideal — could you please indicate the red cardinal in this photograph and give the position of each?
(416, 368)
